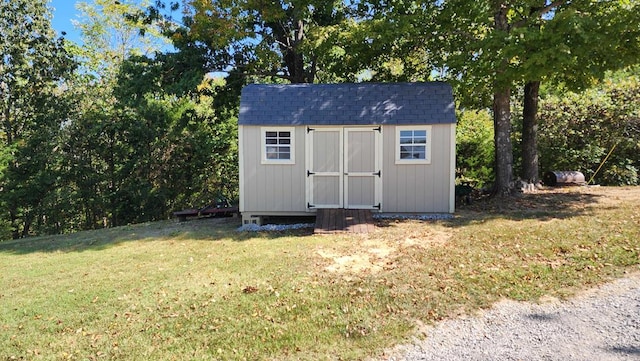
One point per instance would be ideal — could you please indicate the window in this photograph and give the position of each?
(413, 144)
(278, 146)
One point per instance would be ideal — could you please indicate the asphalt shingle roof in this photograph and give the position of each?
(347, 104)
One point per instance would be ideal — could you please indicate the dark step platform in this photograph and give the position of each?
(344, 221)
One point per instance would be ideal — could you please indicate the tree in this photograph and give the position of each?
(378, 41)
(32, 109)
(98, 146)
(110, 36)
(526, 41)
(598, 37)
(267, 39)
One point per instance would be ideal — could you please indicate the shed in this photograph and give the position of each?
(388, 147)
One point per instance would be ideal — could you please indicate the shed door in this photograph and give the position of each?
(344, 168)
(324, 168)
(362, 168)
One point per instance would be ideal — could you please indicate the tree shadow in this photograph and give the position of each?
(543, 205)
(203, 229)
(625, 350)
(542, 317)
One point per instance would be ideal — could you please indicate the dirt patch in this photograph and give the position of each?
(377, 251)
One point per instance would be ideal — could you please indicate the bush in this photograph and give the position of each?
(474, 148)
(577, 131)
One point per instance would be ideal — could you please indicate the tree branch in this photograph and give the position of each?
(539, 12)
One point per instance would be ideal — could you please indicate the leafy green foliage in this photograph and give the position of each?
(487, 47)
(136, 134)
(378, 43)
(577, 131)
(264, 39)
(110, 36)
(128, 138)
(32, 109)
(474, 148)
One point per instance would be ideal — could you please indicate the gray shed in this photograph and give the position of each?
(388, 147)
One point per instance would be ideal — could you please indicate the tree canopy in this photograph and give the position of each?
(126, 128)
(32, 110)
(489, 47)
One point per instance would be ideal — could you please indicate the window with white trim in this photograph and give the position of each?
(278, 145)
(413, 144)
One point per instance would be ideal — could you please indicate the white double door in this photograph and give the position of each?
(344, 167)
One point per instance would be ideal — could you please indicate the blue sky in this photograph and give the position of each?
(65, 11)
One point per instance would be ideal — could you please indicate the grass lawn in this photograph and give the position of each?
(200, 290)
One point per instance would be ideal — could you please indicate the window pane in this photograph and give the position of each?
(419, 133)
(271, 141)
(284, 156)
(271, 134)
(405, 152)
(413, 153)
(284, 141)
(420, 140)
(405, 140)
(285, 134)
(406, 133)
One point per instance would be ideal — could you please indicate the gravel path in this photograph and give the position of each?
(600, 324)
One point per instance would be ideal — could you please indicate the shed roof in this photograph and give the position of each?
(347, 104)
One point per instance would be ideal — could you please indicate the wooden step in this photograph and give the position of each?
(338, 220)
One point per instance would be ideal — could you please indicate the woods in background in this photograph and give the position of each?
(141, 118)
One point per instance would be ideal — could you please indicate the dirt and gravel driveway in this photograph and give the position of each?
(600, 324)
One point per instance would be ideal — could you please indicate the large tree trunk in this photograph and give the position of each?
(530, 132)
(502, 140)
(502, 112)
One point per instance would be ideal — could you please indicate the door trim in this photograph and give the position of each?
(342, 174)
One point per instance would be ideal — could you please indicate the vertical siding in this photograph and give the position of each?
(406, 188)
(271, 187)
(420, 187)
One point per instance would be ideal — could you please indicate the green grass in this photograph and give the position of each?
(200, 290)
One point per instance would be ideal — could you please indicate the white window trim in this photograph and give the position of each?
(263, 145)
(427, 159)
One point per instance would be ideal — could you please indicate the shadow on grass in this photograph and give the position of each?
(541, 206)
(204, 229)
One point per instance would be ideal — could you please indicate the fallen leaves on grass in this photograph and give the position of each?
(250, 289)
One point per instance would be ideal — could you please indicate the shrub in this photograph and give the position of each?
(474, 148)
(577, 132)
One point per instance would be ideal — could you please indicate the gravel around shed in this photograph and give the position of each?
(599, 324)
